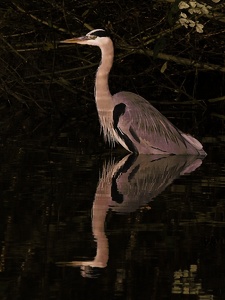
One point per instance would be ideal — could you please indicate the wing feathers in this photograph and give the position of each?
(147, 128)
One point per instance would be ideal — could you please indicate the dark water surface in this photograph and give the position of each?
(105, 227)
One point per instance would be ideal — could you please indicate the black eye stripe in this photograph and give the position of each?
(99, 33)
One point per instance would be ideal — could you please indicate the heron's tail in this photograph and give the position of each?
(195, 143)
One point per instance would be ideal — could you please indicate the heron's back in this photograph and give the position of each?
(149, 131)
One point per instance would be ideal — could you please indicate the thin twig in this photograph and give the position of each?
(183, 61)
(49, 24)
(217, 99)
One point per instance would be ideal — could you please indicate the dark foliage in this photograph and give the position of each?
(43, 80)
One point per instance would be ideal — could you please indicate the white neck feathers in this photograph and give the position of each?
(103, 96)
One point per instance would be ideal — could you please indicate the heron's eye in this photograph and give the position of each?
(92, 37)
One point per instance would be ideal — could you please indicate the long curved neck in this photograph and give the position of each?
(102, 94)
(103, 98)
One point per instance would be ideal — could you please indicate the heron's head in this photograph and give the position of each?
(96, 37)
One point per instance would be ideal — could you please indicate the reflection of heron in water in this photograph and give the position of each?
(126, 186)
(129, 119)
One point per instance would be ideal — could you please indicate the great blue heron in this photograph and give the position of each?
(129, 119)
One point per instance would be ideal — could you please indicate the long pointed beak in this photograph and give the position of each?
(79, 40)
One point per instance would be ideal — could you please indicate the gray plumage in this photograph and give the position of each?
(129, 119)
